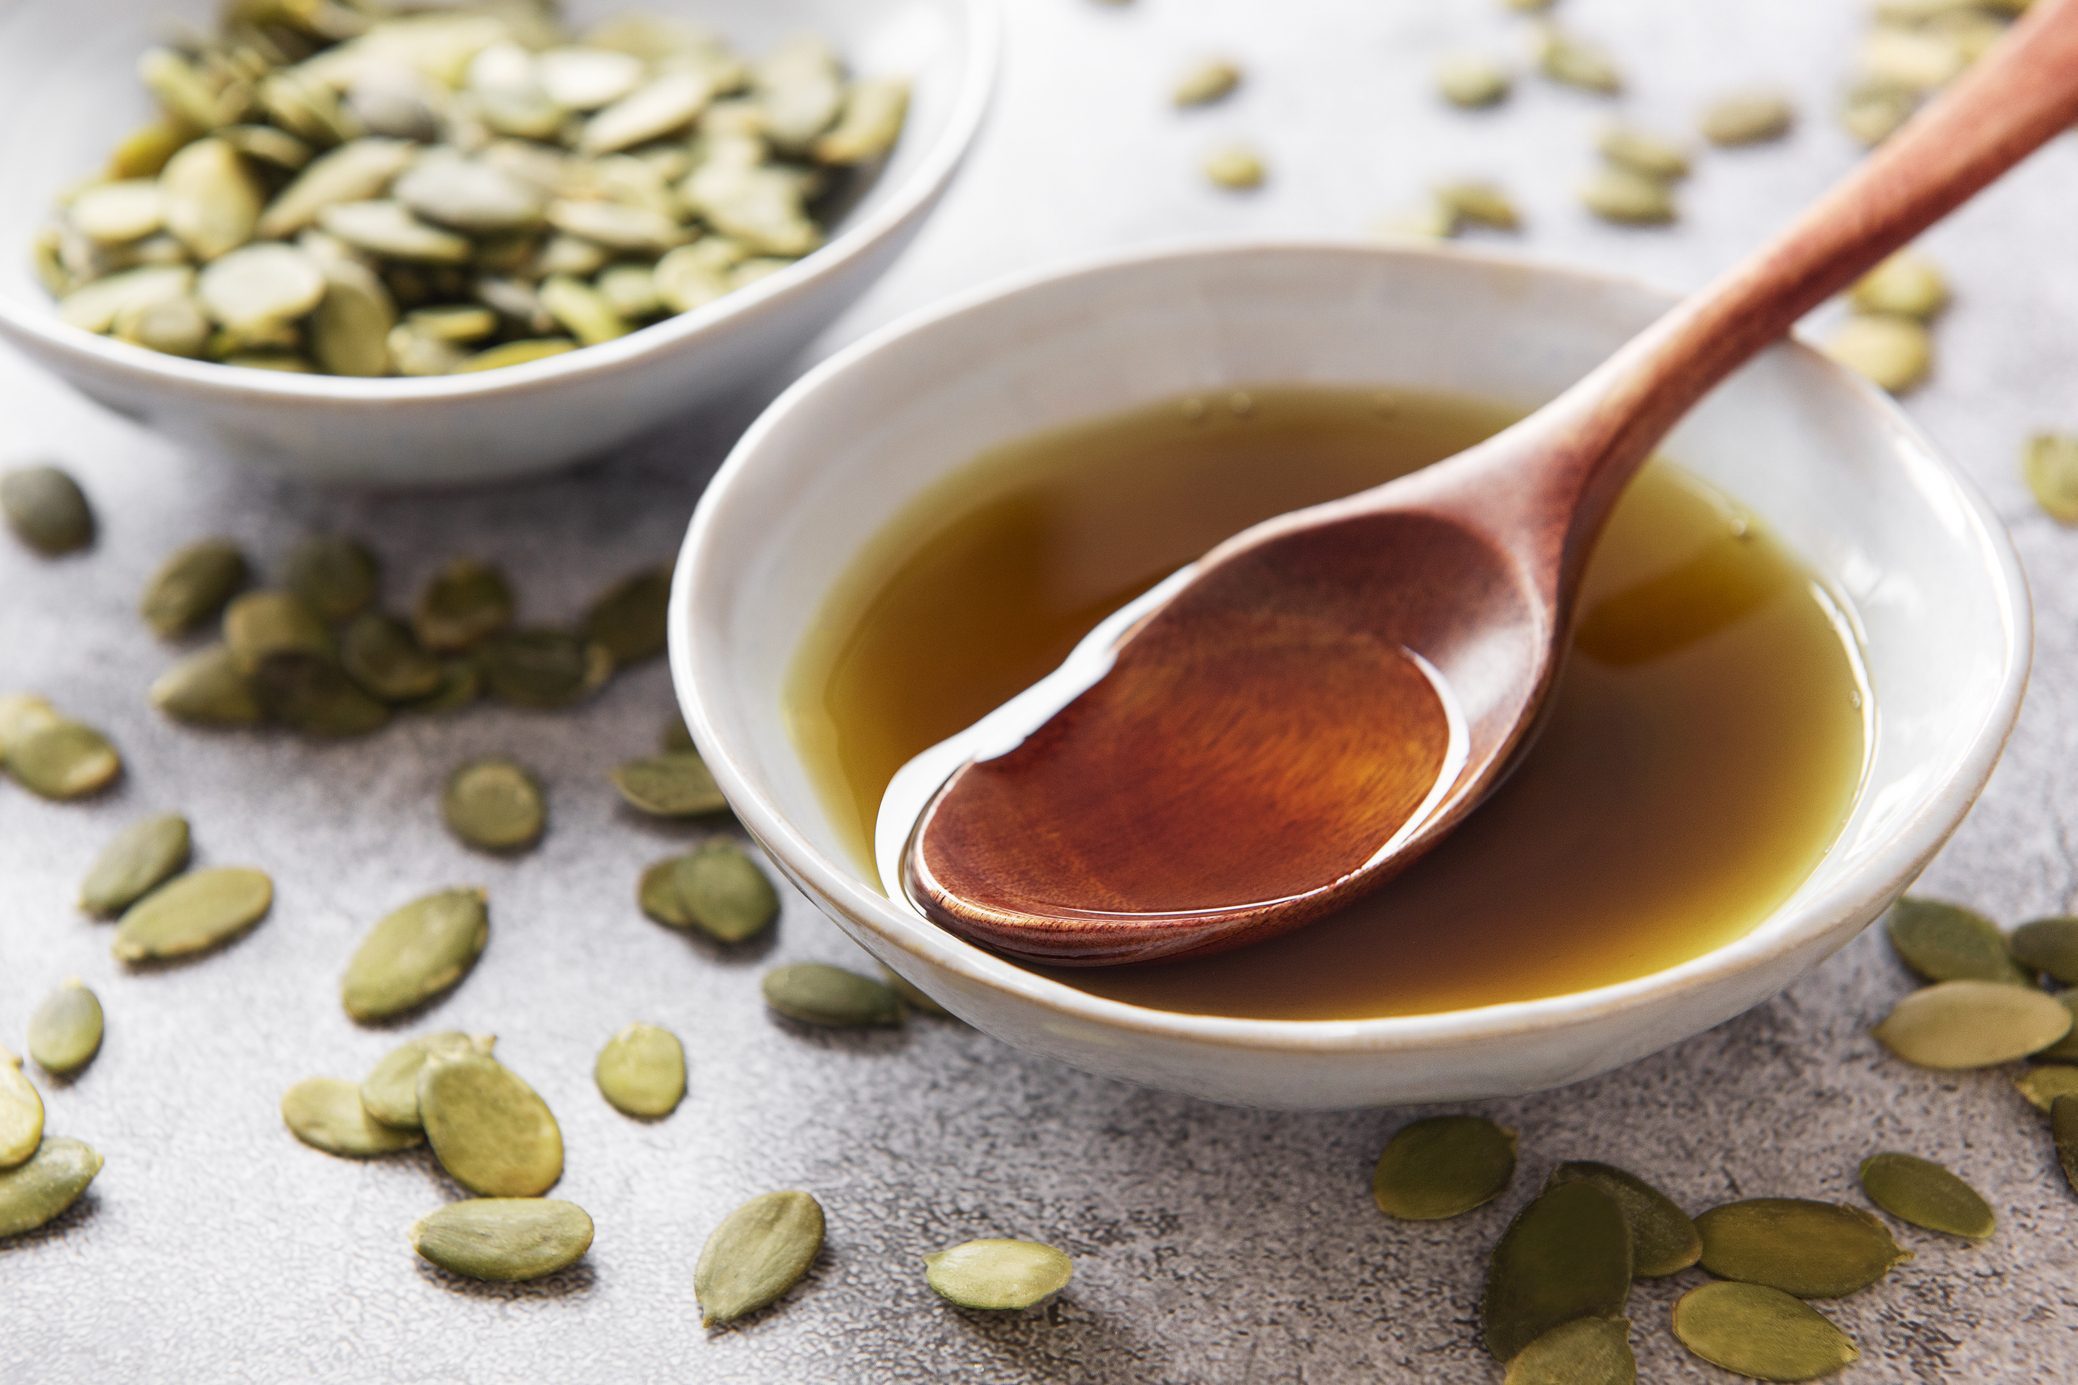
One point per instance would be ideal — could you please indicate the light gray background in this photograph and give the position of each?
(1210, 1244)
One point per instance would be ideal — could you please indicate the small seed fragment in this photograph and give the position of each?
(64, 761)
(1585, 1351)
(998, 1275)
(380, 655)
(466, 601)
(21, 1117)
(326, 1113)
(1907, 284)
(207, 689)
(1895, 353)
(191, 586)
(193, 913)
(2050, 467)
(1972, 1024)
(1810, 1249)
(1945, 942)
(1443, 1166)
(1747, 118)
(1663, 1239)
(334, 575)
(492, 1133)
(641, 1071)
(1627, 198)
(505, 1240)
(1923, 1193)
(1479, 204)
(44, 1188)
(46, 509)
(390, 1090)
(2043, 1085)
(1576, 64)
(627, 619)
(1567, 1255)
(1644, 154)
(138, 860)
(545, 669)
(715, 888)
(1473, 82)
(2049, 946)
(494, 805)
(65, 1030)
(1235, 167)
(676, 784)
(819, 994)
(416, 953)
(760, 1250)
(1760, 1332)
(1206, 81)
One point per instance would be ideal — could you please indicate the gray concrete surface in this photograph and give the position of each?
(1212, 1245)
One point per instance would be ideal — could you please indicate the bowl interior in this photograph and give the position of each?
(1925, 585)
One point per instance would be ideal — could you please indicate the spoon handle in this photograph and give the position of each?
(2015, 99)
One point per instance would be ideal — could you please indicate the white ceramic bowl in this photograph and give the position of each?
(68, 91)
(1928, 577)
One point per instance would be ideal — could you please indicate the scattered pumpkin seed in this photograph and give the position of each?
(491, 1132)
(46, 509)
(1443, 1166)
(641, 1071)
(313, 695)
(64, 761)
(1643, 153)
(65, 1030)
(715, 888)
(191, 586)
(494, 805)
(419, 951)
(1567, 1255)
(1874, 116)
(335, 576)
(1574, 63)
(138, 860)
(1895, 58)
(504, 1240)
(1747, 118)
(1202, 83)
(1585, 1351)
(193, 913)
(1760, 1332)
(1972, 1024)
(1923, 1193)
(628, 618)
(2043, 1085)
(1896, 353)
(207, 689)
(380, 655)
(43, 1189)
(1479, 204)
(464, 603)
(819, 994)
(675, 784)
(2063, 1127)
(326, 1113)
(2050, 467)
(390, 1090)
(1810, 1249)
(1627, 198)
(1235, 167)
(1946, 942)
(760, 1250)
(263, 626)
(20, 715)
(543, 668)
(998, 1275)
(21, 1118)
(2049, 946)
(1907, 284)
(1473, 82)
(1664, 1240)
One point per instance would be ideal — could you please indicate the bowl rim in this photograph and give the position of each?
(907, 201)
(1899, 856)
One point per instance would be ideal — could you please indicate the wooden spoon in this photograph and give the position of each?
(1314, 704)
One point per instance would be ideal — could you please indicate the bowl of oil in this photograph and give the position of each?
(1801, 646)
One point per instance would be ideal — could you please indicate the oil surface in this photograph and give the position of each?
(1705, 746)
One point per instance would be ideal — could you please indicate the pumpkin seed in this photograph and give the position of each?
(171, 326)
(799, 89)
(46, 509)
(514, 353)
(998, 1275)
(1896, 353)
(379, 654)
(1972, 1024)
(466, 601)
(180, 89)
(95, 307)
(313, 695)
(64, 761)
(359, 171)
(1443, 1167)
(1479, 204)
(1585, 1351)
(1567, 1255)
(1810, 1249)
(416, 953)
(641, 1071)
(2043, 1085)
(335, 576)
(461, 684)
(676, 784)
(1663, 1239)
(582, 310)
(628, 618)
(1923, 1193)
(21, 1118)
(504, 1239)
(1747, 118)
(494, 805)
(1627, 198)
(40, 1191)
(1574, 63)
(2049, 946)
(256, 286)
(716, 888)
(65, 1030)
(350, 330)
(2063, 1127)
(141, 857)
(212, 201)
(326, 1113)
(21, 714)
(618, 227)
(389, 230)
(663, 106)
(1760, 1332)
(207, 689)
(1945, 942)
(144, 151)
(874, 112)
(1874, 116)
(2066, 1048)
(543, 668)
(453, 324)
(1205, 81)
(263, 626)
(192, 585)
(1644, 154)
(820, 994)
(1472, 82)
(760, 1250)
(390, 1090)
(1236, 167)
(586, 79)
(467, 195)
(1899, 59)
(631, 291)
(2050, 467)
(491, 1132)
(1907, 284)
(193, 913)
(119, 212)
(266, 144)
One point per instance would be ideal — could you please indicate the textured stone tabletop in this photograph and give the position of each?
(1211, 1244)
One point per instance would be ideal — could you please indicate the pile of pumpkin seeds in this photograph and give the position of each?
(1911, 50)
(367, 188)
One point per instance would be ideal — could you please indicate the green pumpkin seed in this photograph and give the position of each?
(46, 509)
(1907, 284)
(138, 860)
(1923, 1193)
(350, 331)
(998, 1275)
(1644, 154)
(65, 1030)
(1479, 204)
(2064, 1049)
(453, 324)
(191, 586)
(494, 805)
(22, 714)
(2043, 1085)
(819, 994)
(1202, 83)
(2063, 1127)
(1760, 1332)
(693, 276)
(799, 88)
(334, 576)
(2050, 467)
(171, 326)
(468, 195)
(379, 654)
(676, 784)
(1627, 198)
(389, 231)
(461, 683)
(262, 626)
(515, 353)
(1235, 167)
(1810, 1249)
(389, 1092)
(257, 286)
(874, 112)
(716, 888)
(1443, 1167)
(1873, 116)
(466, 601)
(491, 1132)
(1574, 63)
(314, 696)
(1585, 1351)
(586, 79)
(544, 669)
(95, 307)
(1663, 1239)
(1747, 118)
(1944, 942)
(641, 1071)
(212, 201)
(761, 1250)
(1908, 60)
(64, 761)
(663, 106)
(1473, 83)
(628, 618)
(21, 1118)
(119, 212)
(43, 1189)
(2049, 946)
(193, 913)
(1972, 1024)
(180, 89)
(266, 144)
(582, 310)
(505, 1240)
(416, 953)
(1567, 1255)
(360, 171)
(326, 1113)
(631, 291)
(207, 689)
(144, 151)
(1895, 353)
